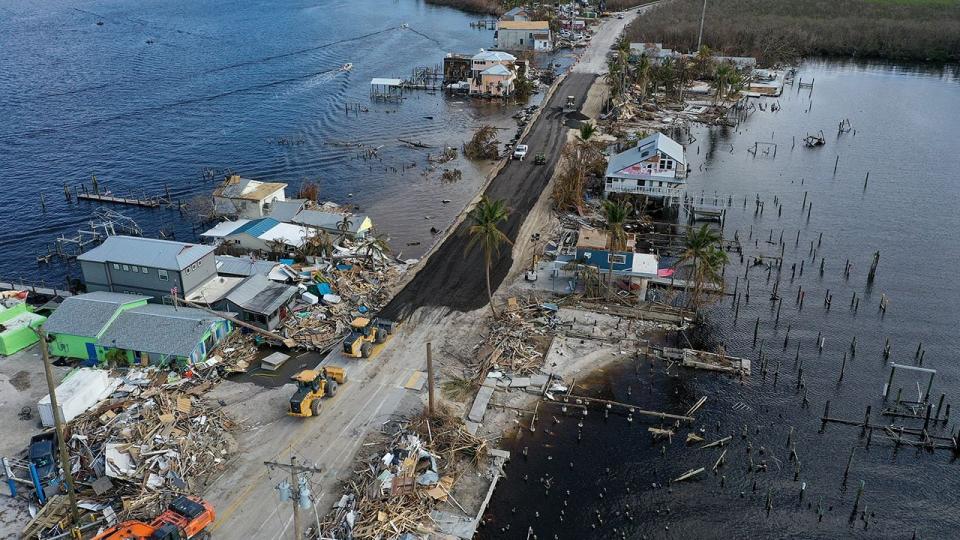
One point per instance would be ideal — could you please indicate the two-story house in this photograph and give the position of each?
(147, 266)
(656, 167)
(247, 198)
(493, 73)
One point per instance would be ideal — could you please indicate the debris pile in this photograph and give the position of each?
(345, 291)
(518, 341)
(155, 436)
(396, 491)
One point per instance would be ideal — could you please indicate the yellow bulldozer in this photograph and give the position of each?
(312, 386)
(364, 335)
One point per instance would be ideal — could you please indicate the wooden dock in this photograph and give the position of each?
(677, 283)
(96, 197)
(703, 360)
(38, 290)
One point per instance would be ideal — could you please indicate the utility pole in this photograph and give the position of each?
(299, 490)
(703, 13)
(58, 423)
(430, 379)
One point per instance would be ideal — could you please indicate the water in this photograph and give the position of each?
(904, 119)
(162, 90)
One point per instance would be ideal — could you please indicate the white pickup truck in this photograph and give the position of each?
(520, 152)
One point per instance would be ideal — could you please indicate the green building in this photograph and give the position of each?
(90, 326)
(16, 328)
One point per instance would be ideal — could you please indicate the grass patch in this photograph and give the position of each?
(458, 389)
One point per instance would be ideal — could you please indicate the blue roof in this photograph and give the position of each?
(257, 227)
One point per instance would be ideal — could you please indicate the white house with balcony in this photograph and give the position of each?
(656, 167)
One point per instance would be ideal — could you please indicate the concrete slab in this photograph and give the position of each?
(274, 361)
(452, 524)
(472, 427)
(480, 403)
(538, 380)
(520, 382)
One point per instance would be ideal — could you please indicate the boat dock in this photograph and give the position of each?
(146, 203)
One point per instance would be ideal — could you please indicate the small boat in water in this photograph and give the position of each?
(346, 67)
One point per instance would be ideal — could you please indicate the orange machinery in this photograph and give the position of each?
(186, 518)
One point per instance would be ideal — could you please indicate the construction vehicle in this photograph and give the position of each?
(364, 334)
(186, 518)
(312, 386)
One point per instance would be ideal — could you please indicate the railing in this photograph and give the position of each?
(650, 191)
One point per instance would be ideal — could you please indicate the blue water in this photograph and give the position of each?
(905, 118)
(164, 89)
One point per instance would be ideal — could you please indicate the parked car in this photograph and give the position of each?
(520, 152)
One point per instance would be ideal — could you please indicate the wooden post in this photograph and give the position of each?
(430, 409)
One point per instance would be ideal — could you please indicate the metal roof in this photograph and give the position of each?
(256, 227)
(494, 56)
(385, 82)
(243, 266)
(87, 315)
(149, 252)
(285, 210)
(257, 294)
(330, 220)
(159, 329)
(647, 147)
(496, 69)
(224, 228)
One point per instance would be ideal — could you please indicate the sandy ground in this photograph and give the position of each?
(22, 384)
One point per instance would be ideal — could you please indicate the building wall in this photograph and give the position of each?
(515, 40)
(598, 258)
(71, 346)
(198, 273)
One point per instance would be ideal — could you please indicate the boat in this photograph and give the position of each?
(346, 67)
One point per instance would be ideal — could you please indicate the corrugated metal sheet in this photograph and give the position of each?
(257, 294)
(257, 227)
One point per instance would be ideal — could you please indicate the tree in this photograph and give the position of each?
(722, 78)
(703, 62)
(486, 216)
(704, 254)
(616, 213)
(642, 75)
(344, 227)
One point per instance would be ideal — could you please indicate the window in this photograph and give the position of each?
(187, 269)
(134, 268)
(126, 268)
(116, 266)
(616, 259)
(521, 41)
(143, 269)
(163, 275)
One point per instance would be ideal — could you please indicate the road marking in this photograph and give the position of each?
(302, 433)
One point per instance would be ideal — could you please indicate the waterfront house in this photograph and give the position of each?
(246, 198)
(635, 268)
(456, 67)
(147, 266)
(655, 52)
(267, 235)
(90, 325)
(260, 301)
(283, 211)
(493, 73)
(523, 36)
(656, 167)
(17, 324)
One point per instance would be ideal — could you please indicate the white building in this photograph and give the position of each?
(656, 167)
(246, 198)
(523, 36)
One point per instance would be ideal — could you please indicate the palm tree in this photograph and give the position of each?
(616, 213)
(721, 79)
(486, 215)
(702, 251)
(643, 75)
(344, 227)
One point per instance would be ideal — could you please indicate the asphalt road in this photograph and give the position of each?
(453, 277)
